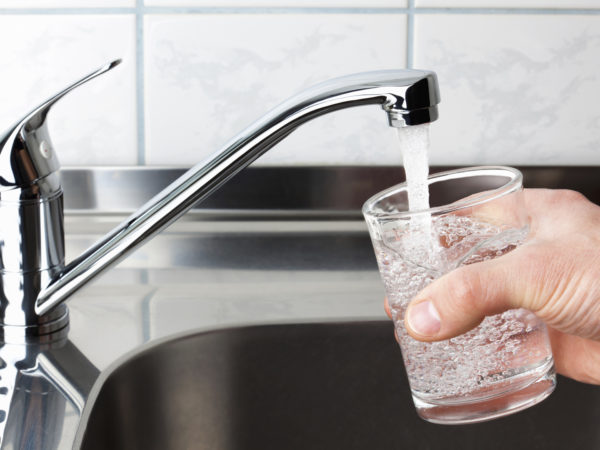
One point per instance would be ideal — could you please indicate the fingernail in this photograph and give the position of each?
(424, 319)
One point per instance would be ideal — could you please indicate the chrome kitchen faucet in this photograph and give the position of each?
(35, 281)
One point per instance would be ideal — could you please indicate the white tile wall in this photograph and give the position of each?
(516, 89)
(41, 55)
(508, 3)
(518, 78)
(209, 76)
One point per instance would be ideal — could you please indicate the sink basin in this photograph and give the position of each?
(304, 386)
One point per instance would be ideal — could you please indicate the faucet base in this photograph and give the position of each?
(48, 328)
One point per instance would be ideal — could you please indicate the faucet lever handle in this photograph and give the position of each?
(26, 153)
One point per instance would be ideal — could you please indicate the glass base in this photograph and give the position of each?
(463, 411)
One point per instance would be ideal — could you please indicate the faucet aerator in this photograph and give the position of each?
(399, 118)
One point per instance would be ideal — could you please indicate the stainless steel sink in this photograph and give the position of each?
(276, 278)
(304, 386)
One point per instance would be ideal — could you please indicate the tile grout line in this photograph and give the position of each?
(141, 9)
(139, 81)
(273, 10)
(511, 11)
(410, 34)
(201, 10)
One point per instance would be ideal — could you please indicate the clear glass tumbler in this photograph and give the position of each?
(505, 364)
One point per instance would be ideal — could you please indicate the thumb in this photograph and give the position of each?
(459, 301)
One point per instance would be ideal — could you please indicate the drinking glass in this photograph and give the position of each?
(476, 214)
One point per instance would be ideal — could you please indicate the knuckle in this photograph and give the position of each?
(569, 196)
(549, 279)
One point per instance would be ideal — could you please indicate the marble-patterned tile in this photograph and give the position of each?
(516, 89)
(283, 3)
(41, 55)
(507, 4)
(209, 76)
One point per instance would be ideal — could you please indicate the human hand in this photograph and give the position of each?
(555, 274)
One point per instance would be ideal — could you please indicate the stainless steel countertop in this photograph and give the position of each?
(274, 246)
(201, 274)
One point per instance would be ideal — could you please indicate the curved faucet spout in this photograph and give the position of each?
(409, 97)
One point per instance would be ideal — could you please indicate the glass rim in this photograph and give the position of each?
(513, 184)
